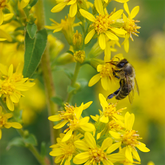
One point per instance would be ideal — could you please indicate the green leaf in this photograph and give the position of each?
(70, 89)
(83, 83)
(31, 29)
(31, 139)
(34, 48)
(33, 2)
(23, 142)
(16, 142)
(57, 100)
(68, 73)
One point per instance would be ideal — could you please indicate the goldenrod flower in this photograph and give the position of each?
(106, 75)
(102, 25)
(120, 1)
(129, 25)
(4, 17)
(4, 122)
(74, 4)
(129, 139)
(72, 116)
(95, 154)
(11, 85)
(64, 151)
(66, 26)
(109, 110)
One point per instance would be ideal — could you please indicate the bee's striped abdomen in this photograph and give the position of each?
(125, 89)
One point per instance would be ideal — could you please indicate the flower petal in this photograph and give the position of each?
(134, 12)
(16, 125)
(81, 158)
(142, 147)
(116, 15)
(9, 103)
(113, 147)
(1, 16)
(54, 118)
(89, 127)
(89, 36)
(67, 136)
(102, 41)
(128, 154)
(94, 80)
(90, 140)
(87, 15)
(103, 100)
(106, 143)
(80, 144)
(73, 10)
(126, 8)
(104, 119)
(111, 36)
(99, 7)
(60, 125)
(58, 7)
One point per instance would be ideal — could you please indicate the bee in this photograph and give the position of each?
(124, 71)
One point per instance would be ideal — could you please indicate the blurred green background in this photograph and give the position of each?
(147, 55)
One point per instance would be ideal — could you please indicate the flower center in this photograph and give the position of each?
(68, 114)
(97, 155)
(106, 71)
(131, 27)
(7, 88)
(131, 138)
(110, 110)
(102, 23)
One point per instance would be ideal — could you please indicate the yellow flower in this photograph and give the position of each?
(106, 73)
(72, 116)
(109, 110)
(61, 4)
(11, 85)
(4, 17)
(129, 25)
(64, 151)
(4, 122)
(95, 154)
(66, 26)
(102, 25)
(129, 139)
(120, 1)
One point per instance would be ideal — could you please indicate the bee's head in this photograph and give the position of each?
(122, 63)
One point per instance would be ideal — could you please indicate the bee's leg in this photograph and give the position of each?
(115, 75)
(113, 94)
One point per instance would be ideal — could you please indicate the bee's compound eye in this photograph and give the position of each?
(121, 64)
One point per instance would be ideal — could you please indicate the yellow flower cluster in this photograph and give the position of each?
(109, 140)
(11, 85)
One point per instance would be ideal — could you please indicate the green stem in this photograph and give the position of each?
(36, 154)
(47, 74)
(76, 71)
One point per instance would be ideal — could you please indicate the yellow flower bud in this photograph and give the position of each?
(77, 40)
(79, 56)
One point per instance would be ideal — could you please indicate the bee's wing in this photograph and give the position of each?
(136, 86)
(131, 94)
